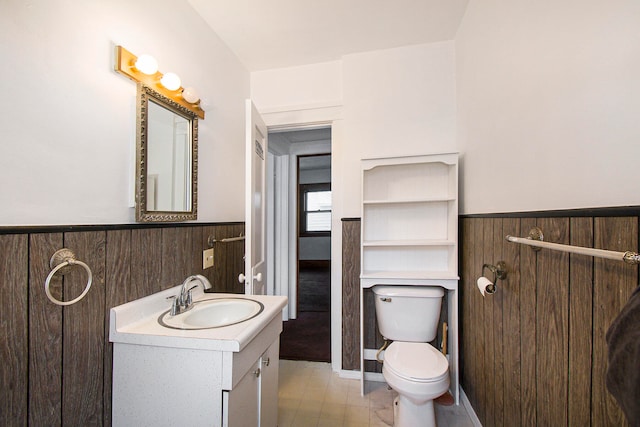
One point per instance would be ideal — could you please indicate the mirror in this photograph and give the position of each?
(166, 159)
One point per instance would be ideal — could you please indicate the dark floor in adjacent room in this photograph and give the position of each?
(308, 337)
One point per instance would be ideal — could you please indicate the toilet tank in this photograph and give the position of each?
(408, 313)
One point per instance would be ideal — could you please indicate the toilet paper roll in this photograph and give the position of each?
(486, 286)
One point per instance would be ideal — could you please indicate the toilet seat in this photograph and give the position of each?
(418, 362)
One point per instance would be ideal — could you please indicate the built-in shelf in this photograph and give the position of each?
(409, 233)
(410, 215)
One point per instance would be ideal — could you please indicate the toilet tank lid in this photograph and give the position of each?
(409, 291)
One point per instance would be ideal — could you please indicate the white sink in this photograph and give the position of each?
(213, 313)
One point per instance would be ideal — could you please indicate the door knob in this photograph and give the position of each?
(258, 277)
(241, 278)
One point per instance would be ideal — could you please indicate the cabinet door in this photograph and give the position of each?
(240, 406)
(269, 386)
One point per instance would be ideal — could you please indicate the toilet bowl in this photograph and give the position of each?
(418, 372)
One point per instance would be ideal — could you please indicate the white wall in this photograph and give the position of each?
(309, 85)
(396, 102)
(68, 119)
(549, 101)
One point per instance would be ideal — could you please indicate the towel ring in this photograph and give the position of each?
(63, 260)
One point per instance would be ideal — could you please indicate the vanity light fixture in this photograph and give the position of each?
(171, 81)
(141, 69)
(190, 95)
(147, 64)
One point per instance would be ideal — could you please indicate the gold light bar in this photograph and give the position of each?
(125, 65)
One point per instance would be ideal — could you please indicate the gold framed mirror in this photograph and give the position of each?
(166, 159)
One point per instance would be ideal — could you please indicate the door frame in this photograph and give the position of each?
(322, 115)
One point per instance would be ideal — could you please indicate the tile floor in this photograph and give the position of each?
(311, 394)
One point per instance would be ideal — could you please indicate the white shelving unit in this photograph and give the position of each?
(410, 232)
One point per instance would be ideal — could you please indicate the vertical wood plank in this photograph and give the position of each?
(580, 324)
(228, 258)
(498, 325)
(468, 325)
(146, 267)
(528, 304)
(45, 334)
(511, 294)
(489, 327)
(83, 333)
(614, 282)
(351, 295)
(14, 347)
(202, 237)
(177, 255)
(552, 326)
(225, 253)
(117, 281)
(479, 318)
(237, 249)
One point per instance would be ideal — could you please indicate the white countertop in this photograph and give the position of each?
(136, 322)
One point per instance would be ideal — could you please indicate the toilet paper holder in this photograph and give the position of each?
(499, 272)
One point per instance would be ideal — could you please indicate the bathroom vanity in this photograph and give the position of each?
(200, 376)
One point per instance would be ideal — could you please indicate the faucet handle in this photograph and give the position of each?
(174, 305)
(189, 296)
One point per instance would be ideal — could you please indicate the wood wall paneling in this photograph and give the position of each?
(613, 284)
(57, 360)
(351, 295)
(45, 334)
(580, 323)
(14, 346)
(546, 322)
(146, 258)
(117, 281)
(511, 331)
(552, 327)
(83, 333)
(528, 314)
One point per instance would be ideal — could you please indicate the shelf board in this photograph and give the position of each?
(412, 243)
(411, 275)
(404, 201)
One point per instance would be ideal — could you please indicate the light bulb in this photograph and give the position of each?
(171, 81)
(147, 64)
(190, 95)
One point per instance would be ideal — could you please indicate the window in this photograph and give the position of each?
(315, 209)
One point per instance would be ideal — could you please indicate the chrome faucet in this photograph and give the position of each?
(183, 301)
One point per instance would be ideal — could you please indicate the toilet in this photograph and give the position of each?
(409, 315)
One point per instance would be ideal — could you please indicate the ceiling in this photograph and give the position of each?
(267, 34)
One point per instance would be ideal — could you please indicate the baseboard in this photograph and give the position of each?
(355, 375)
(467, 406)
(350, 375)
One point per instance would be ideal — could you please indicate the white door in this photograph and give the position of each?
(255, 264)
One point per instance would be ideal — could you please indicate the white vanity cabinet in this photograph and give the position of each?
(253, 401)
(409, 233)
(213, 377)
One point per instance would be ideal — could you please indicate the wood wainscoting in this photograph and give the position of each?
(56, 361)
(533, 353)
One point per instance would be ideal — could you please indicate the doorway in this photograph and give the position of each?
(303, 238)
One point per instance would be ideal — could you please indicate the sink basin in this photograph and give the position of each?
(213, 313)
